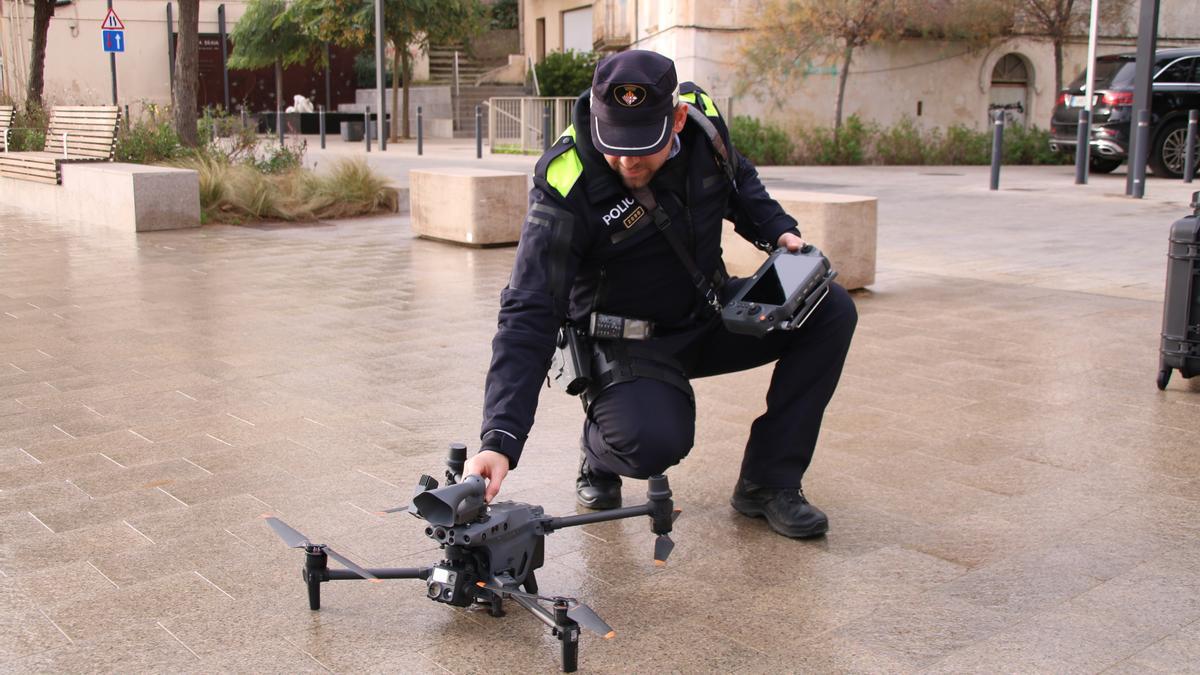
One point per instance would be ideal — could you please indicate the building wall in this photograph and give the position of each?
(950, 81)
(77, 70)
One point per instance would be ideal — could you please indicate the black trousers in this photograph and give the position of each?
(641, 427)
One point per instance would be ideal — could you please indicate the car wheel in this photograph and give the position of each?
(1166, 157)
(1102, 164)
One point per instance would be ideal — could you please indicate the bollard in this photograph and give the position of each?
(479, 132)
(1082, 134)
(321, 122)
(279, 124)
(545, 128)
(420, 132)
(245, 122)
(997, 147)
(367, 127)
(126, 120)
(1189, 155)
(1142, 144)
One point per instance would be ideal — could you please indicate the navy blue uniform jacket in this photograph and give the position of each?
(568, 264)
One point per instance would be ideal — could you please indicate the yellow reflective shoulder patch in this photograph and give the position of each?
(710, 108)
(565, 170)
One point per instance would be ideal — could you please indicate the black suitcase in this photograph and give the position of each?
(1181, 307)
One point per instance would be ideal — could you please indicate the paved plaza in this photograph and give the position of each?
(1008, 491)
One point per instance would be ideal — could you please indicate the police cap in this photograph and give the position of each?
(634, 94)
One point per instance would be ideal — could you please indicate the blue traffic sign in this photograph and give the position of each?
(114, 40)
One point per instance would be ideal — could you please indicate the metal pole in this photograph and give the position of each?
(367, 126)
(478, 133)
(1089, 91)
(420, 132)
(997, 147)
(171, 48)
(279, 124)
(321, 122)
(126, 118)
(224, 51)
(112, 66)
(1082, 134)
(1189, 156)
(546, 127)
(1147, 32)
(328, 66)
(1141, 145)
(382, 91)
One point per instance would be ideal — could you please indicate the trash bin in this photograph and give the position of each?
(352, 131)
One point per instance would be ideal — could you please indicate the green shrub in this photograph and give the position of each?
(960, 145)
(902, 144)
(566, 73)
(760, 142)
(504, 14)
(1031, 145)
(150, 140)
(849, 146)
(29, 129)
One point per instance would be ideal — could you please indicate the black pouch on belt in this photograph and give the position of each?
(571, 365)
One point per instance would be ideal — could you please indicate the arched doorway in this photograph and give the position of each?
(1009, 92)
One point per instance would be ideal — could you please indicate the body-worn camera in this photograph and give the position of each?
(782, 294)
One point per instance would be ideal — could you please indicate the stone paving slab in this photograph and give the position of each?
(1008, 491)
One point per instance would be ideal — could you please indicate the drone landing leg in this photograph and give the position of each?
(497, 606)
(316, 570)
(567, 632)
(530, 583)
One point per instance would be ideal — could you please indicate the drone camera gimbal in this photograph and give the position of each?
(490, 551)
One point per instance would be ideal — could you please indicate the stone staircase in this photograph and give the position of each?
(441, 71)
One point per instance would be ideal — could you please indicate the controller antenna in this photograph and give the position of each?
(456, 460)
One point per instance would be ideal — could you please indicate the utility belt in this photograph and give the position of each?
(614, 352)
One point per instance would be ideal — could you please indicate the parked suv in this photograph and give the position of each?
(1176, 91)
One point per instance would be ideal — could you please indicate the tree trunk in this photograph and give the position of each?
(42, 11)
(187, 72)
(395, 125)
(279, 106)
(841, 95)
(406, 76)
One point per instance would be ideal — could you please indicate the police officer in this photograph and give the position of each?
(625, 223)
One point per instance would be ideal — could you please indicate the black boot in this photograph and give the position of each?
(597, 490)
(786, 509)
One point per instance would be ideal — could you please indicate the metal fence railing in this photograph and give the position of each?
(515, 123)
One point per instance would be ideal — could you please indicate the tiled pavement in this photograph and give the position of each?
(1008, 490)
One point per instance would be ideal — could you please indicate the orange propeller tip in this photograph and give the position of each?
(610, 635)
(375, 581)
(660, 563)
(266, 515)
(381, 513)
(481, 584)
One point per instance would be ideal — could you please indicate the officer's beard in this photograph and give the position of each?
(636, 172)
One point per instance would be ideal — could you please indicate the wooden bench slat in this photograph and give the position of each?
(104, 128)
(86, 108)
(31, 170)
(85, 115)
(92, 141)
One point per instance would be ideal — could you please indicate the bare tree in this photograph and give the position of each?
(42, 11)
(187, 72)
(1061, 20)
(794, 37)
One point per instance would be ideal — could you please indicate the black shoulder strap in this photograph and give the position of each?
(663, 223)
(725, 160)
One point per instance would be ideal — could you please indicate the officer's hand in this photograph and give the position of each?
(791, 241)
(491, 465)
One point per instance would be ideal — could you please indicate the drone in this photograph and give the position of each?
(491, 551)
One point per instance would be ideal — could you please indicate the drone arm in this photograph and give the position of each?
(552, 524)
(382, 573)
(544, 615)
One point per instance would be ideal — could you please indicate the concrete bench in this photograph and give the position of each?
(129, 197)
(75, 134)
(477, 207)
(842, 226)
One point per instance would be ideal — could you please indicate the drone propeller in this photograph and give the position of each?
(663, 545)
(396, 509)
(578, 612)
(295, 539)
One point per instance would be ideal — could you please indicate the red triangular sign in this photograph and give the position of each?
(112, 22)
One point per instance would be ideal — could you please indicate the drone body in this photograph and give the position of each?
(490, 552)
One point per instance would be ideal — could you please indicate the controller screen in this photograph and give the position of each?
(788, 274)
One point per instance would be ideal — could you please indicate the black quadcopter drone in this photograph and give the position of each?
(491, 551)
